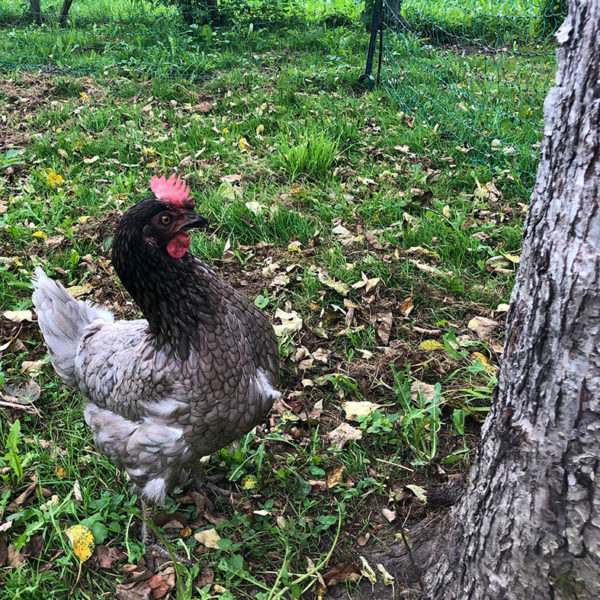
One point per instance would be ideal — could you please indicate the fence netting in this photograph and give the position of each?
(479, 70)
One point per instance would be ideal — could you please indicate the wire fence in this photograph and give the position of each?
(477, 69)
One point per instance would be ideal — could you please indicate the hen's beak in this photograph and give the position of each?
(194, 220)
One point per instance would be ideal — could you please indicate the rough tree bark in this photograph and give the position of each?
(64, 11)
(35, 11)
(528, 526)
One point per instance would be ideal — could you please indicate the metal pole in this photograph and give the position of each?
(367, 80)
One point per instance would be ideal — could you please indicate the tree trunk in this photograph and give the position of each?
(528, 526)
(35, 11)
(64, 11)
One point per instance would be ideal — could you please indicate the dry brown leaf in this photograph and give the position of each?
(18, 316)
(418, 491)
(483, 326)
(389, 515)
(343, 434)
(208, 538)
(420, 387)
(384, 327)
(406, 306)
(15, 558)
(107, 557)
(341, 573)
(373, 241)
(206, 578)
(24, 393)
(335, 475)
(321, 355)
(137, 591)
(32, 367)
(356, 410)
(159, 585)
(318, 485)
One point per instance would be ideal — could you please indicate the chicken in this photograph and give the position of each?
(199, 371)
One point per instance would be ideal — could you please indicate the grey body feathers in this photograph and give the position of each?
(153, 408)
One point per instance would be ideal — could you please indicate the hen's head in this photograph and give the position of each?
(163, 221)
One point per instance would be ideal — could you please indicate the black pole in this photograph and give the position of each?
(367, 80)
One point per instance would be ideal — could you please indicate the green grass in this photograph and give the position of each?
(320, 201)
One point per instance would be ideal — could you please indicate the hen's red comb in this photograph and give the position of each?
(172, 191)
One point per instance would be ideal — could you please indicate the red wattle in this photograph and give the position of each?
(178, 245)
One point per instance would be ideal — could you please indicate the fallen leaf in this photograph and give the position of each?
(335, 475)
(418, 491)
(389, 515)
(498, 262)
(339, 286)
(420, 387)
(431, 345)
(385, 576)
(342, 434)
(385, 327)
(139, 591)
(23, 496)
(23, 393)
(367, 571)
(32, 367)
(18, 316)
(318, 485)
(341, 573)
(254, 207)
(208, 538)
(406, 306)
(356, 410)
(91, 161)
(483, 326)
(82, 540)
(340, 230)
(159, 585)
(233, 178)
(502, 308)
(290, 322)
(207, 577)
(15, 558)
(107, 557)
(373, 241)
(321, 355)
(80, 290)
(422, 251)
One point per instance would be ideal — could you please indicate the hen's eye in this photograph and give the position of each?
(165, 220)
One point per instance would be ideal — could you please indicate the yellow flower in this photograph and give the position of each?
(149, 151)
(83, 95)
(54, 180)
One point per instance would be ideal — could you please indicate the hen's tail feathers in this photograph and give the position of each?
(62, 320)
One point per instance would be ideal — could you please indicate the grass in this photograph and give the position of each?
(383, 237)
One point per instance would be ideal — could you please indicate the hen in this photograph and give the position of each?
(199, 371)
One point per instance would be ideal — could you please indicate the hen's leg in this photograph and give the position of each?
(153, 547)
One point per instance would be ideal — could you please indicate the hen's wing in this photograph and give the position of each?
(135, 404)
